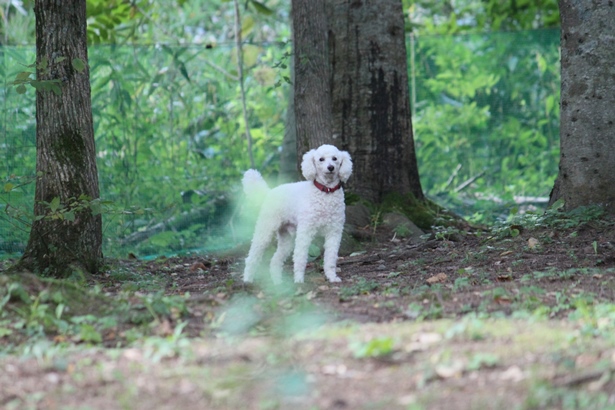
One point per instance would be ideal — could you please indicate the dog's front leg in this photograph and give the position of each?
(302, 248)
(333, 239)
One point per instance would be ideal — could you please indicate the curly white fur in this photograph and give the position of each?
(303, 209)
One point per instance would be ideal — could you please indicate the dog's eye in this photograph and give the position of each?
(334, 158)
(321, 159)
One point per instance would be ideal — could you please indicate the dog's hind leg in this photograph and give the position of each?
(285, 248)
(260, 241)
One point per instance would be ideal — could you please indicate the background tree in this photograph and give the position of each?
(312, 75)
(587, 134)
(67, 231)
(371, 106)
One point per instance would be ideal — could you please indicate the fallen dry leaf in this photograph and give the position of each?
(311, 295)
(502, 300)
(439, 278)
(60, 339)
(513, 374)
(334, 370)
(504, 278)
(197, 266)
(164, 328)
(532, 243)
(453, 369)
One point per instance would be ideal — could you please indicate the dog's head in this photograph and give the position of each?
(326, 164)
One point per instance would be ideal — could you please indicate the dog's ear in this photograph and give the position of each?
(345, 166)
(308, 169)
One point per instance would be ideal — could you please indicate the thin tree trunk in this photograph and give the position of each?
(371, 108)
(289, 163)
(289, 170)
(244, 108)
(587, 131)
(312, 75)
(71, 237)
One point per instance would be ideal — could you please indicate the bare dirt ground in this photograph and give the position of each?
(519, 318)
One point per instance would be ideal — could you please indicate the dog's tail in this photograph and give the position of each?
(254, 186)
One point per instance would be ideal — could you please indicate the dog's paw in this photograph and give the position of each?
(335, 279)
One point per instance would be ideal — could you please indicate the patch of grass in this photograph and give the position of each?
(461, 283)
(415, 262)
(361, 287)
(375, 348)
(554, 218)
(471, 327)
(544, 396)
(132, 281)
(480, 361)
(420, 312)
(34, 309)
(530, 298)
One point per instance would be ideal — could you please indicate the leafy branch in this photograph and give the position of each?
(28, 77)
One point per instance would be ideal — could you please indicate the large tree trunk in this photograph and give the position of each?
(587, 133)
(65, 160)
(312, 90)
(371, 109)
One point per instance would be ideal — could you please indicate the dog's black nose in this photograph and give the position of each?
(330, 168)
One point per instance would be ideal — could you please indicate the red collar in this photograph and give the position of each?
(326, 189)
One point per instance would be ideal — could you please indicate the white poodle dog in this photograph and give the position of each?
(306, 208)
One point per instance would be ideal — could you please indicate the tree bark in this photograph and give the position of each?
(370, 98)
(66, 155)
(312, 75)
(289, 165)
(587, 133)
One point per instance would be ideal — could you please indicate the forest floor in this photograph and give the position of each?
(519, 317)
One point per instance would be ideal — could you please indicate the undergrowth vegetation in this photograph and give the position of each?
(171, 145)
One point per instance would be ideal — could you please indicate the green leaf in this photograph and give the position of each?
(559, 204)
(59, 59)
(250, 55)
(183, 71)
(96, 207)
(43, 64)
(261, 8)
(247, 26)
(55, 204)
(89, 334)
(378, 347)
(56, 89)
(21, 89)
(8, 187)
(23, 76)
(16, 290)
(78, 64)
(5, 331)
(59, 310)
